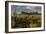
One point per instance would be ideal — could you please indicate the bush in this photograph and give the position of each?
(26, 21)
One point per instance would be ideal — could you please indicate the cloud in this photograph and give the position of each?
(28, 9)
(34, 9)
(18, 12)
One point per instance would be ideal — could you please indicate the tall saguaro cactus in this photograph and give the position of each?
(13, 22)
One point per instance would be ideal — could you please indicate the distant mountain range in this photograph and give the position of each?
(31, 13)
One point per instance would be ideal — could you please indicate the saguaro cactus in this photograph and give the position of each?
(13, 19)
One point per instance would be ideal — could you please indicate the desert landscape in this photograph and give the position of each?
(25, 19)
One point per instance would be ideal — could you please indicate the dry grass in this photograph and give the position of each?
(26, 21)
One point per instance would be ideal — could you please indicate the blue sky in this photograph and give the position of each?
(28, 9)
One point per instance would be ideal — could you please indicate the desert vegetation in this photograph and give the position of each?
(26, 21)
(24, 17)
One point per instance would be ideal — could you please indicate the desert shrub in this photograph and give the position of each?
(23, 21)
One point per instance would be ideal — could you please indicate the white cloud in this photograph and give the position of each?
(28, 7)
(18, 12)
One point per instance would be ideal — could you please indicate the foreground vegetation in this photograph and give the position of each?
(26, 21)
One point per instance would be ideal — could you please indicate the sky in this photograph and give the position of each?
(19, 9)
